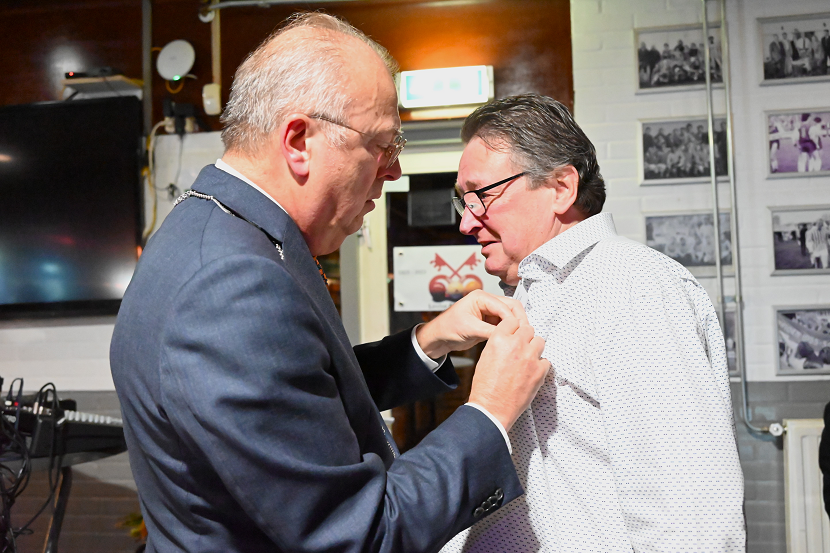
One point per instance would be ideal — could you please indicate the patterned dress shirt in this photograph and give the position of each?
(630, 443)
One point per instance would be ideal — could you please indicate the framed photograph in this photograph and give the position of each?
(672, 57)
(676, 151)
(801, 240)
(795, 48)
(689, 239)
(803, 340)
(798, 143)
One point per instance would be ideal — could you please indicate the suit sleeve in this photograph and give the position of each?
(396, 375)
(250, 386)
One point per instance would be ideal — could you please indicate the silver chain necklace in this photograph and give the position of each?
(195, 194)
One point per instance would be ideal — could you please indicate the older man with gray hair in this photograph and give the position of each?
(630, 443)
(251, 422)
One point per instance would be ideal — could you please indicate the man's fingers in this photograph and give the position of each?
(482, 329)
(514, 308)
(524, 332)
(492, 319)
(508, 326)
(521, 330)
(491, 306)
(537, 344)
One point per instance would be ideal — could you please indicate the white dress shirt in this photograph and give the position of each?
(630, 443)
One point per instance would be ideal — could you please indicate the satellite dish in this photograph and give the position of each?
(175, 60)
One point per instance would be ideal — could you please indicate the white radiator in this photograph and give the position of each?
(808, 526)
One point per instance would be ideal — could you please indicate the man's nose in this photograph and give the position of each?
(393, 172)
(469, 222)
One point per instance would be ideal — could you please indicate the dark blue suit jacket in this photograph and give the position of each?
(252, 425)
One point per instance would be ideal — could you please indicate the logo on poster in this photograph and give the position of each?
(453, 286)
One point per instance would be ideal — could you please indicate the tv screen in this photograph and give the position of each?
(70, 205)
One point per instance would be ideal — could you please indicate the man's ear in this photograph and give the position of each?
(565, 184)
(294, 134)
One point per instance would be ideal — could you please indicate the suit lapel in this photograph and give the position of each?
(251, 204)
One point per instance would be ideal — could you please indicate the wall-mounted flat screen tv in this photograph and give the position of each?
(70, 206)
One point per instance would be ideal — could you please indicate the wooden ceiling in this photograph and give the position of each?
(528, 42)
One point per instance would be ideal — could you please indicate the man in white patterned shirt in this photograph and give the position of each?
(630, 443)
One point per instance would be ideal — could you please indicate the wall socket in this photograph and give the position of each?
(190, 125)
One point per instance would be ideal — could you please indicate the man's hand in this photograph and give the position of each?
(470, 321)
(510, 371)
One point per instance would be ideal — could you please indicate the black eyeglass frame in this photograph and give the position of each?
(460, 204)
(391, 149)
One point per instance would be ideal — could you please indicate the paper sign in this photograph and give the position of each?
(432, 278)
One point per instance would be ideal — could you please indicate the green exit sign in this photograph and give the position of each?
(449, 86)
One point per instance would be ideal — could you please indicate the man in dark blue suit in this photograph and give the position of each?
(252, 424)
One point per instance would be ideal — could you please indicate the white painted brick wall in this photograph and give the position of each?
(73, 354)
(608, 109)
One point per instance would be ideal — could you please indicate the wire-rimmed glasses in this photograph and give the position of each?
(390, 149)
(475, 203)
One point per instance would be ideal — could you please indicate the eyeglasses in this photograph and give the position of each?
(390, 149)
(476, 206)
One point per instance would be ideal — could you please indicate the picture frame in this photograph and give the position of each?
(676, 150)
(801, 240)
(803, 337)
(672, 58)
(795, 49)
(798, 142)
(688, 238)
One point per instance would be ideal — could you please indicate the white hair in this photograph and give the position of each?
(301, 68)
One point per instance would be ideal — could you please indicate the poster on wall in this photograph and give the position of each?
(689, 239)
(673, 57)
(801, 240)
(432, 278)
(803, 340)
(798, 143)
(676, 151)
(795, 48)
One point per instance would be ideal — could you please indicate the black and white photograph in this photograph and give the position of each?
(690, 240)
(803, 340)
(676, 151)
(801, 240)
(671, 57)
(798, 143)
(796, 48)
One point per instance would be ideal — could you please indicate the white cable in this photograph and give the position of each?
(151, 153)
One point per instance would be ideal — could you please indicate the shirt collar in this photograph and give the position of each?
(561, 249)
(220, 164)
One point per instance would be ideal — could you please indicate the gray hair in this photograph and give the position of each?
(293, 72)
(542, 138)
